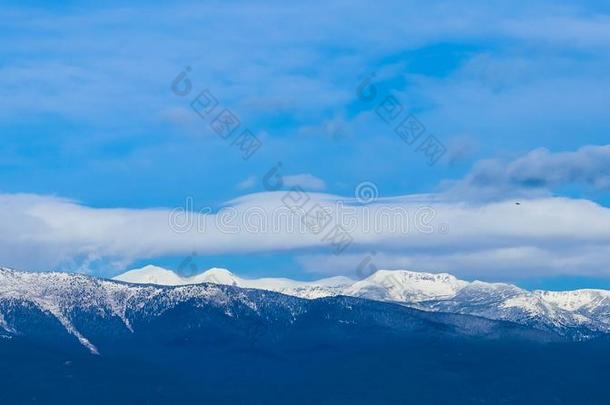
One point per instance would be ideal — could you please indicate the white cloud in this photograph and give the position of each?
(247, 183)
(542, 236)
(567, 30)
(306, 181)
(537, 173)
(100, 73)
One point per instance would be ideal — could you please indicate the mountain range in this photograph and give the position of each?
(395, 337)
(579, 314)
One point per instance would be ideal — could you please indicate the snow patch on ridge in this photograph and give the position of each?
(70, 328)
(4, 325)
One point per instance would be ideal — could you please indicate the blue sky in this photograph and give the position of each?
(89, 120)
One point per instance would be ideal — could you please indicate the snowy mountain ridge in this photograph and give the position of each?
(566, 311)
(63, 294)
(79, 305)
(75, 310)
(327, 287)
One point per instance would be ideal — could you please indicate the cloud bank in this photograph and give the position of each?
(537, 173)
(540, 237)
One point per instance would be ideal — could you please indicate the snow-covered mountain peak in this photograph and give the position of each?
(404, 285)
(214, 275)
(160, 276)
(151, 275)
(412, 279)
(577, 299)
